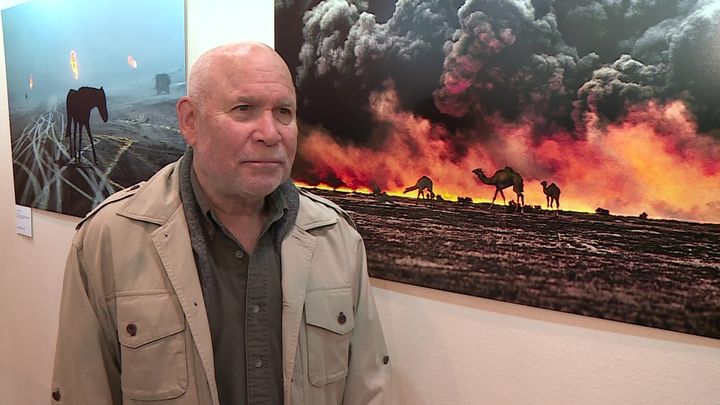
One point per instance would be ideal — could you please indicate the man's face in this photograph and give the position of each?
(245, 130)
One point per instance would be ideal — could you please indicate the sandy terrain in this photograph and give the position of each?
(658, 273)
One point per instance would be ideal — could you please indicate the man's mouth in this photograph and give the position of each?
(263, 162)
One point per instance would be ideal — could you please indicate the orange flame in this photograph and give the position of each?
(74, 64)
(654, 161)
(131, 62)
(30, 82)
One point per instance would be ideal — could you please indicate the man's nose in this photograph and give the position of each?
(267, 130)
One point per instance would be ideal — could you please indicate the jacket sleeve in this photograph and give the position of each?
(368, 380)
(86, 362)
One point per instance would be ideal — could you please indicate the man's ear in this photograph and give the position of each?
(186, 111)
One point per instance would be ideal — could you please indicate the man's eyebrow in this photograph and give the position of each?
(288, 102)
(285, 102)
(246, 99)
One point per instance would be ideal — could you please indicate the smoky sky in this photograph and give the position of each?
(460, 62)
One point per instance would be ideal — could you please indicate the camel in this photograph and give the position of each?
(503, 179)
(424, 183)
(552, 193)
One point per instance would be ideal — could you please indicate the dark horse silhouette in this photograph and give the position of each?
(79, 103)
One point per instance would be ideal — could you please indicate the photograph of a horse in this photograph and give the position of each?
(88, 119)
(79, 103)
(561, 154)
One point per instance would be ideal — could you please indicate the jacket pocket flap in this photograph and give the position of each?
(330, 309)
(144, 318)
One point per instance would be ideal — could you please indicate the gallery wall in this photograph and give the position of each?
(445, 348)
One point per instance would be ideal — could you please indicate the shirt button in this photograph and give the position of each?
(255, 309)
(56, 395)
(131, 329)
(341, 318)
(258, 363)
(386, 359)
(239, 254)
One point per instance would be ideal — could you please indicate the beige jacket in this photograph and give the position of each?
(133, 327)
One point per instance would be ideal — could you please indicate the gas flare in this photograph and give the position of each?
(74, 64)
(30, 82)
(132, 62)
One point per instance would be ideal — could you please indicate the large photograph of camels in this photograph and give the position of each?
(561, 154)
(92, 87)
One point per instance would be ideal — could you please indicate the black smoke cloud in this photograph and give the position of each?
(461, 63)
(347, 54)
(658, 49)
(504, 59)
(611, 88)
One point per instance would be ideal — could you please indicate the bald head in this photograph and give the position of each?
(228, 60)
(240, 119)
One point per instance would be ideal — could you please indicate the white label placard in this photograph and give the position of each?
(23, 220)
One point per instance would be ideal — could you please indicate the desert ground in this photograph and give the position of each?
(652, 272)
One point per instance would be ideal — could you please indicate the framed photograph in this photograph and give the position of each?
(92, 87)
(558, 154)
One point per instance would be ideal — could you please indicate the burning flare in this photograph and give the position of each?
(74, 64)
(132, 62)
(30, 82)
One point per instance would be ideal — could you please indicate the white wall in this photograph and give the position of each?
(446, 348)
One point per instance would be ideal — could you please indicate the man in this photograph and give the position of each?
(217, 281)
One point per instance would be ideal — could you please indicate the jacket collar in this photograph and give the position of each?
(312, 216)
(158, 198)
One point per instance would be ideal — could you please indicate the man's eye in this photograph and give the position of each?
(284, 115)
(243, 107)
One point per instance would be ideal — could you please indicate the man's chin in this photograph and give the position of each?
(259, 188)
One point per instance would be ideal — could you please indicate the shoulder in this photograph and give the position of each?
(111, 203)
(148, 200)
(321, 208)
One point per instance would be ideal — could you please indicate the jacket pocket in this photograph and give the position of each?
(329, 318)
(152, 346)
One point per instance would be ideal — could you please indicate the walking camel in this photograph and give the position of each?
(552, 193)
(503, 179)
(424, 183)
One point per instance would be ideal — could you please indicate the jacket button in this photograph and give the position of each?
(56, 395)
(342, 319)
(386, 359)
(258, 363)
(131, 329)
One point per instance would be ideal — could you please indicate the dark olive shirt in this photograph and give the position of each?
(246, 316)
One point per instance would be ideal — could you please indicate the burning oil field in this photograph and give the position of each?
(600, 106)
